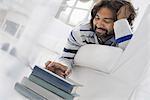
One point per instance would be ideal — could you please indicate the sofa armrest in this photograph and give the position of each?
(98, 57)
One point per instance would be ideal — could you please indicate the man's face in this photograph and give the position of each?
(103, 22)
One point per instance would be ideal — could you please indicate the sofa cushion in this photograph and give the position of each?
(98, 57)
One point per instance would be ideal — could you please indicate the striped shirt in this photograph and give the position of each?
(83, 34)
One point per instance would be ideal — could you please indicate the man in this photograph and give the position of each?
(110, 24)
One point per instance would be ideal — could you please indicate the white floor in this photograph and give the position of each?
(11, 71)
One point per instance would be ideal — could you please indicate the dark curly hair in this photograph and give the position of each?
(114, 5)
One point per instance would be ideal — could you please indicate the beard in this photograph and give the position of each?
(102, 32)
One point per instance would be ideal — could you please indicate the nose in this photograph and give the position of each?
(100, 23)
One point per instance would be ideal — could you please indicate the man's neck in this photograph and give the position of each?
(103, 39)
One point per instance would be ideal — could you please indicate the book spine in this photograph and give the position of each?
(28, 93)
(39, 90)
(51, 88)
(52, 79)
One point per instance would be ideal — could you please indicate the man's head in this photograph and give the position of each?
(104, 14)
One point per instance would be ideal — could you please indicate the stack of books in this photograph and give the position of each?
(45, 85)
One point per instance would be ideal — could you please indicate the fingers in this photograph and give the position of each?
(47, 63)
(67, 72)
(57, 68)
(124, 12)
(60, 66)
(127, 11)
(49, 66)
(59, 72)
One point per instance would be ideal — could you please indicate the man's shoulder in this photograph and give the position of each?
(85, 27)
(83, 30)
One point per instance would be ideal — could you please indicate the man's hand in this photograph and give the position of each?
(124, 12)
(58, 68)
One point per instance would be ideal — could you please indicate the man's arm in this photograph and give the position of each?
(123, 32)
(71, 48)
(64, 64)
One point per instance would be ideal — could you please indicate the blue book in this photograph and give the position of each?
(54, 79)
(51, 88)
(28, 93)
(40, 90)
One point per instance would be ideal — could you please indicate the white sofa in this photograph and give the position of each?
(118, 82)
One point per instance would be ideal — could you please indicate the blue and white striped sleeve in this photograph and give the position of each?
(73, 44)
(123, 33)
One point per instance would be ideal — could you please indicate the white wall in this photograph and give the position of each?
(38, 23)
(140, 5)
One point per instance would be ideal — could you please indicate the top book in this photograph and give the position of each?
(66, 85)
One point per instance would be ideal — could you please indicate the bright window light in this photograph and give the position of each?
(73, 12)
(77, 16)
(85, 5)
